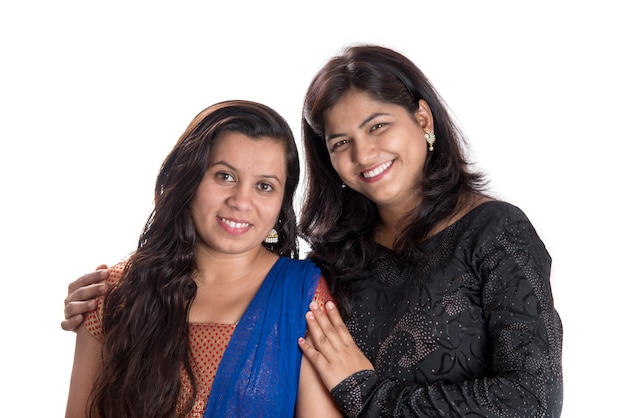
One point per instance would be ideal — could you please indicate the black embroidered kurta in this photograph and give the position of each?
(471, 331)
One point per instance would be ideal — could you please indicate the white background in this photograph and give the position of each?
(93, 97)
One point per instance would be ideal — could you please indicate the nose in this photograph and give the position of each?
(241, 197)
(363, 150)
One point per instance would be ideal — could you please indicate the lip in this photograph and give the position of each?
(234, 226)
(377, 172)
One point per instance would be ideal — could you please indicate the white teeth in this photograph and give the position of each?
(377, 170)
(235, 225)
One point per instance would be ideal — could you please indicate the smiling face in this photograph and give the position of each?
(240, 195)
(378, 149)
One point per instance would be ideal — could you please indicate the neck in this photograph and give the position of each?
(226, 284)
(229, 268)
(390, 223)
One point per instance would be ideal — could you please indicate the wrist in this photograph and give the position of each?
(351, 392)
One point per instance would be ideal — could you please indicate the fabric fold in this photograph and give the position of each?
(260, 370)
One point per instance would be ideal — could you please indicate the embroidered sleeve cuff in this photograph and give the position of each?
(351, 393)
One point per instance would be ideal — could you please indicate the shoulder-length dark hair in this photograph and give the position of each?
(145, 316)
(338, 222)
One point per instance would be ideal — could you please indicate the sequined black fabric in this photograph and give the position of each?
(469, 332)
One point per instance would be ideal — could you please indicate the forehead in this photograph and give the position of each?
(244, 152)
(355, 97)
(354, 106)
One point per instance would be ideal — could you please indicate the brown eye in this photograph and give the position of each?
(224, 177)
(338, 145)
(265, 187)
(377, 126)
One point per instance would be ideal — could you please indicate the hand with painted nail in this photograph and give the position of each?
(81, 297)
(330, 347)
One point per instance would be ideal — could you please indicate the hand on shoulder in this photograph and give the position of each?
(81, 297)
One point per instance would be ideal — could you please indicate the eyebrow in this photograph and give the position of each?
(365, 122)
(224, 163)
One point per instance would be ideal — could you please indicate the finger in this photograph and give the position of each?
(321, 316)
(340, 327)
(314, 330)
(78, 308)
(86, 294)
(72, 324)
(308, 349)
(89, 278)
(322, 331)
(316, 358)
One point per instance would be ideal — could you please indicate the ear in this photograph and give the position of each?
(424, 116)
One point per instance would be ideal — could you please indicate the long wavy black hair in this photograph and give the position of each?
(338, 223)
(145, 316)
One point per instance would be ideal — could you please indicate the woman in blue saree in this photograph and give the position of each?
(202, 319)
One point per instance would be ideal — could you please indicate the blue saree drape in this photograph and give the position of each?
(259, 373)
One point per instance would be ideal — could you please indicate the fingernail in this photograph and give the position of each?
(300, 340)
(330, 305)
(310, 315)
(313, 305)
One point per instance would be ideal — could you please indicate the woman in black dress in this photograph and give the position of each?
(444, 290)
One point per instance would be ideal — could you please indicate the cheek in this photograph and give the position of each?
(198, 206)
(338, 163)
(195, 215)
(272, 215)
(271, 208)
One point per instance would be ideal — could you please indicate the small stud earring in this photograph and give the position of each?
(430, 138)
